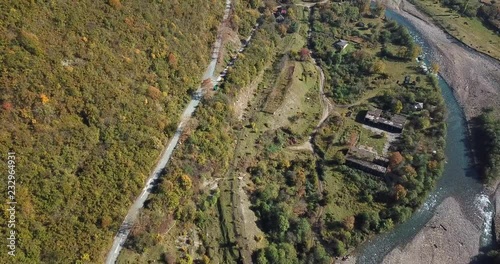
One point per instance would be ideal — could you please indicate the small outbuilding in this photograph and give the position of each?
(407, 80)
(341, 44)
(418, 106)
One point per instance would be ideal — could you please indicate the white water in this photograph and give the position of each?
(485, 213)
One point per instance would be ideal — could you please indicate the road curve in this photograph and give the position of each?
(138, 204)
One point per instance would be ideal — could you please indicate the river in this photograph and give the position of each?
(459, 179)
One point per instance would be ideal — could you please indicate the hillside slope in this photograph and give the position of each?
(89, 93)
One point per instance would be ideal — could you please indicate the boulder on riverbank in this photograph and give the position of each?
(449, 237)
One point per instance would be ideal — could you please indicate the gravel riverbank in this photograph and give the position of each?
(449, 237)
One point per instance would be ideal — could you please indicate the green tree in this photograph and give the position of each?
(398, 106)
(379, 9)
(338, 247)
(414, 52)
(339, 158)
(319, 255)
(434, 67)
(261, 257)
(283, 223)
(424, 122)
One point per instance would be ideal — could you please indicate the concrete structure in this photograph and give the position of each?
(365, 159)
(394, 124)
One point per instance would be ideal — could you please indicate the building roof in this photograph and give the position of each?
(367, 158)
(363, 152)
(373, 114)
(397, 121)
(341, 43)
(419, 106)
(367, 164)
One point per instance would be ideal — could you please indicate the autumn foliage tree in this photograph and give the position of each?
(305, 54)
(399, 192)
(378, 67)
(410, 171)
(185, 182)
(7, 106)
(44, 98)
(349, 222)
(116, 4)
(172, 60)
(154, 93)
(207, 83)
(415, 51)
(433, 165)
(395, 159)
(434, 67)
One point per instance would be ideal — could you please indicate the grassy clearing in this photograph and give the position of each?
(367, 137)
(292, 42)
(305, 89)
(300, 107)
(345, 197)
(469, 30)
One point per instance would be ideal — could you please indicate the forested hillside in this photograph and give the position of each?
(89, 93)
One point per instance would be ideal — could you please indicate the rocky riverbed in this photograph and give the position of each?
(449, 237)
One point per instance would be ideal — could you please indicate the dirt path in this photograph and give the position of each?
(325, 102)
(245, 96)
(327, 107)
(306, 146)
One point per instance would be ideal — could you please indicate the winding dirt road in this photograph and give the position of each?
(325, 102)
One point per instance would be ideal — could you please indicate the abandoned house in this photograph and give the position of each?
(367, 160)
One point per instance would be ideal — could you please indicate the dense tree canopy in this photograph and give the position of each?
(90, 92)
